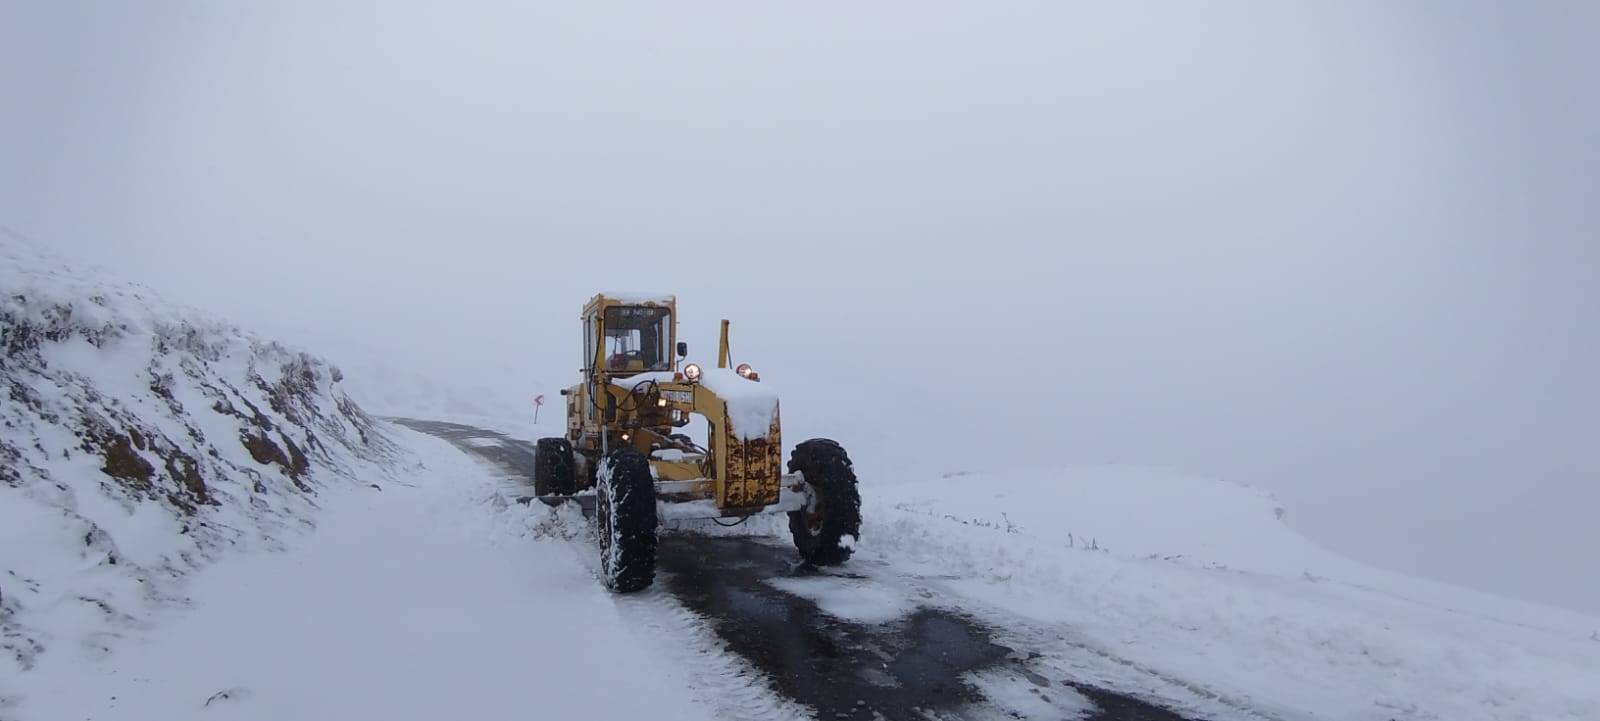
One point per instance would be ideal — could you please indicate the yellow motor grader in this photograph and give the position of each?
(623, 451)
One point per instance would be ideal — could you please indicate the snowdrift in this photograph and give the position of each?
(138, 440)
(1200, 582)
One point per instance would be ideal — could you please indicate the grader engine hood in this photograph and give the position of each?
(751, 445)
(743, 470)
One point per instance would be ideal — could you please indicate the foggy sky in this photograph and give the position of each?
(1346, 252)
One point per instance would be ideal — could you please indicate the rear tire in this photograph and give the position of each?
(834, 510)
(625, 516)
(553, 472)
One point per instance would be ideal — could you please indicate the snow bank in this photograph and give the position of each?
(424, 599)
(1137, 512)
(138, 441)
(1198, 580)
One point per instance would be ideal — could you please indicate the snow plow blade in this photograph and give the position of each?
(585, 501)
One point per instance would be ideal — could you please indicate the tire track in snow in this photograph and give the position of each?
(917, 665)
(728, 686)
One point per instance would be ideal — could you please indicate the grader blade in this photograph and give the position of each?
(585, 502)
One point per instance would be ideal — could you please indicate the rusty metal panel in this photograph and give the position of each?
(754, 470)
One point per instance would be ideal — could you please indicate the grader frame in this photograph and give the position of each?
(622, 460)
(640, 404)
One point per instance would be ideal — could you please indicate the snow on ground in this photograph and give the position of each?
(1195, 590)
(428, 599)
(195, 521)
(849, 599)
(1200, 581)
(139, 441)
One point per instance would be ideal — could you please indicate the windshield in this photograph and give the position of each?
(637, 339)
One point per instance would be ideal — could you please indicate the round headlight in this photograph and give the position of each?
(691, 372)
(744, 370)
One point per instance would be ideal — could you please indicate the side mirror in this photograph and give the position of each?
(683, 349)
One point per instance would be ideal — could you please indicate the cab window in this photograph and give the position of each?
(637, 338)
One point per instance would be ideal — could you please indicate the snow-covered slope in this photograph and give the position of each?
(1199, 581)
(426, 598)
(138, 441)
(196, 522)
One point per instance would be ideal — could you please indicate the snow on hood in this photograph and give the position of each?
(751, 405)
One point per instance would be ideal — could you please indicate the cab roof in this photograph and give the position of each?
(608, 299)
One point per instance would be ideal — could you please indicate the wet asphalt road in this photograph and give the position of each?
(915, 668)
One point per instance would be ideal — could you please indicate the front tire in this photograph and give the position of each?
(833, 512)
(553, 472)
(625, 515)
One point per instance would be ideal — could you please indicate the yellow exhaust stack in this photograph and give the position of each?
(722, 348)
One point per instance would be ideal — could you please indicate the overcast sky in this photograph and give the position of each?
(1343, 251)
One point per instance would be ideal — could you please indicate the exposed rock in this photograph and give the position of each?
(124, 463)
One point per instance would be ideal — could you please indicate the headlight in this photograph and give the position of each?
(661, 403)
(746, 372)
(691, 372)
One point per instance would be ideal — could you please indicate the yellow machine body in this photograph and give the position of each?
(635, 393)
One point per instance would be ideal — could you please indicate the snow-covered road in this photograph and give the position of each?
(855, 642)
(436, 595)
(408, 602)
(1112, 589)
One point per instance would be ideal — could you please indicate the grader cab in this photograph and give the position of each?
(625, 456)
